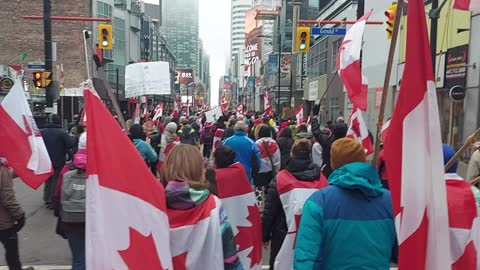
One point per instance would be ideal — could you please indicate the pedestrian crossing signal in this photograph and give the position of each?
(391, 13)
(37, 79)
(303, 39)
(105, 36)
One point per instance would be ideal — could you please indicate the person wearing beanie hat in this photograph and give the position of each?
(462, 200)
(289, 190)
(353, 217)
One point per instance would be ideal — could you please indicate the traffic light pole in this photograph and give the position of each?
(47, 29)
(296, 16)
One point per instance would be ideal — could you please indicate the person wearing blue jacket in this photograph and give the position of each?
(245, 148)
(144, 148)
(349, 224)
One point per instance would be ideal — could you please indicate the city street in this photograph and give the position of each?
(39, 244)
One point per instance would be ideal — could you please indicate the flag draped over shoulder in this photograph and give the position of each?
(414, 157)
(126, 222)
(20, 140)
(239, 203)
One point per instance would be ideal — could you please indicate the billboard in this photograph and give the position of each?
(285, 70)
(185, 76)
(456, 70)
(253, 43)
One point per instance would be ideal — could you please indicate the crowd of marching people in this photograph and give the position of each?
(320, 204)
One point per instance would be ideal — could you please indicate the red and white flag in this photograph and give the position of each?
(224, 104)
(357, 130)
(384, 130)
(20, 140)
(467, 5)
(175, 108)
(240, 109)
(348, 63)
(268, 107)
(299, 115)
(135, 235)
(158, 112)
(464, 224)
(414, 157)
(136, 120)
(196, 238)
(293, 195)
(164, 151)
(217, 139)
(84, 118)
(239, 203)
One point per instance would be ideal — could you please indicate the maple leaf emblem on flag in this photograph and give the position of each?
(141, 247)
(356, 128)
(243, 237)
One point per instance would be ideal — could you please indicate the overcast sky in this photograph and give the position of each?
(215, 33)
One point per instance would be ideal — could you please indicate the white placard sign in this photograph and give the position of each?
(313, 90)
(149, 78)
(213, 115)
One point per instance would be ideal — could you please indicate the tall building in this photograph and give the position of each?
(180, 27)
(239, 8)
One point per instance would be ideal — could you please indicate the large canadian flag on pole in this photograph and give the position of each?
(20, 140)
(471, 5)
(266, 100)
(348, 63)
(357, 130)
(239, 203)
(126, 224)
(414, 157)
(299, 115)
(158, 112)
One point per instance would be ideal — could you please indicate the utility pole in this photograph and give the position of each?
(47, 29)
(296, 15)
(279, 65)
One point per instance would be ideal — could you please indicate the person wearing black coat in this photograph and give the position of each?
(274, 223)
(285, 143)
(339, 131)
(58, 143)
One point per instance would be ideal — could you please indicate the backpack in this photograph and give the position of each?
(188, 136)
(207, 135)
(73, 196)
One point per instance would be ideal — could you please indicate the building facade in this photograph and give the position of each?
(180, 27)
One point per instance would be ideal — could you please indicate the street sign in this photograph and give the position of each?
(456, 93)
(317, 31)
(36, 66)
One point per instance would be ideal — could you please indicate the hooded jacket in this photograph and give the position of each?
(274, 223)
(349, 224)
(181, 197)
(58, 142)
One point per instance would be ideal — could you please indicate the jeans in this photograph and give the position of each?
(51, 186)
(76, 241)
(9, 240)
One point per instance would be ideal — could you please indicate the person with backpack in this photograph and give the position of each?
(70, 204)
(187, 133)
(206, 138)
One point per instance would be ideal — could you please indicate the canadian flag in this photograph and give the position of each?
(240, 109)
(413, 156)
(299, 115)
(471, 5)
(84, 118)
(217, 139)
(164, 151)
(384, 130)
(357, 130)
(293, 195)
(266, 100)
(464, 224)
(196, 239)
(224, 104)
(135, 235)
(21, 142)
(175, 108)
(348, 63)
(137, 114)
(239, 203)
(158, 112)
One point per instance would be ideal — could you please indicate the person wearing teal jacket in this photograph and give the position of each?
(349, 224)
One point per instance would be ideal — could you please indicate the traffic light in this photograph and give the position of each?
(46, 78)
(105, 36)
(303, 39)
(391, 12)
(37, 79)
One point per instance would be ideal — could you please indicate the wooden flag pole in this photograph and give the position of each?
(386, 84)
(470, 140)
(475, 181)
